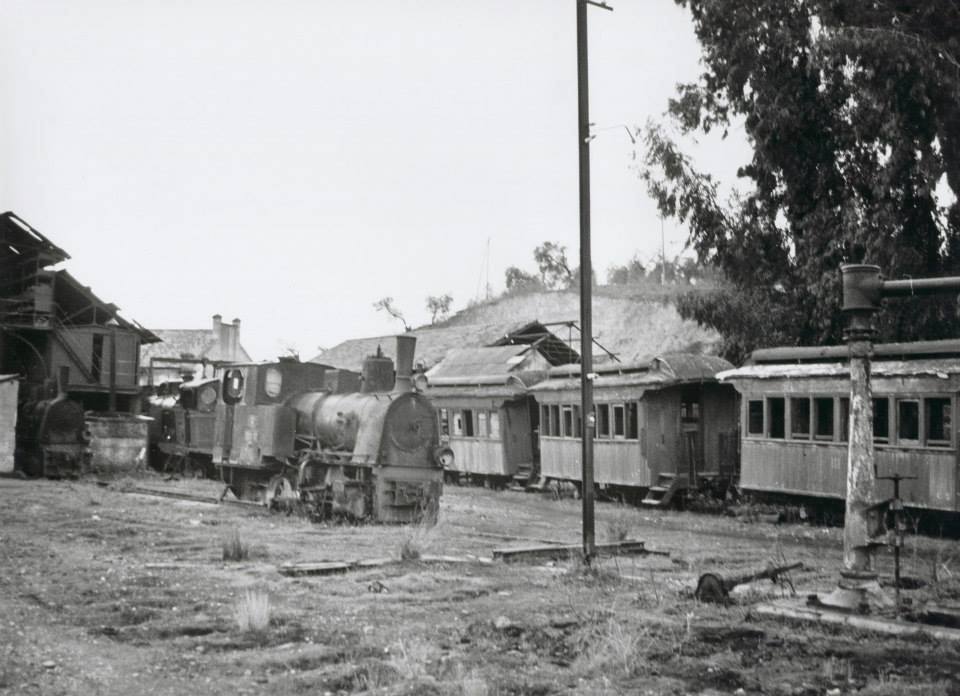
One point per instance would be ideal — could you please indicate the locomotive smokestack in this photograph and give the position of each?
(406, 347)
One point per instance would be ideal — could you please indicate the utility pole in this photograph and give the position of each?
(586, 280)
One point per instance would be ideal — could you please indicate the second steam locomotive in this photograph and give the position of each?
(364, 447)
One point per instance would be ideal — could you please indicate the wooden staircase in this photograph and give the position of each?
(668, 486)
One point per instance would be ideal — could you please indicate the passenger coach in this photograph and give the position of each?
(661, 426)
(795, 415)
(485, 410)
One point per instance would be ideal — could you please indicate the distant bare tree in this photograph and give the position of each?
(439, 306)
(385, 304)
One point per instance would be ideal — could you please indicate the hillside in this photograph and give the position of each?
(634, 326)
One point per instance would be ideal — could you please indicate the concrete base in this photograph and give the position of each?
(797, 609)
(855, 595)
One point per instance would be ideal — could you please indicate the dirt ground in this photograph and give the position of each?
(103, 591)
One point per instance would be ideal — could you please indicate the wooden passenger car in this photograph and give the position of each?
(486, 414)
(667, 417)
(795, 420)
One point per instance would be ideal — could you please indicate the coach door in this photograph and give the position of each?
(691, 432)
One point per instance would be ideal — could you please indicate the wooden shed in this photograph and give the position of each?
(486, 413)
(660, 423)
(795, 410)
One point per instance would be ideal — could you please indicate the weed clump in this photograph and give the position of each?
(619, 526)
(235, 548)
(415, 541)
(411, 657)
(252, 612)
(617, 647)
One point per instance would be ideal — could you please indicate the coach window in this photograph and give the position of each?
(495, 425)
(468, 429)
(823, 418)
(619, 425)
(577, 422)
(755, 417)
(881, 420)
(458, 423)
(908, 421)
(444, 422)
(555, 420)
(603, 420)
(633, 421)
(844, 418)
(939, 422)
(800, 418)
(482, 424)
(566, 421)
(545, 420)
(776, 407)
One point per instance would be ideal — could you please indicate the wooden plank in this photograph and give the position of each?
(792, 609)
(557, 553)
(332, 567)
(320, 568)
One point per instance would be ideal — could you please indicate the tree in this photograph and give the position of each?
(385, 304)
(631, 272)
(438, 306)
(853, 113)
(518, 280)
(552, 262)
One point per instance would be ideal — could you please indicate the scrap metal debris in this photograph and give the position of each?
(714, 588)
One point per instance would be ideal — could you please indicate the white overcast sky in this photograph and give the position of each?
(291, 162)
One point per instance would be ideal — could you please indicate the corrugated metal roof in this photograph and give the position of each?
(17, 233)
(668, 369)
(682, 366)
(879, 368)
(472, 362)
(488, 391)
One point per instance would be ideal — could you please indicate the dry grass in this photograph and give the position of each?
(416, 540)
(619, 526)
(234, 547)
(473, 685)
(617, 647)
(411, 656)
(252, 611)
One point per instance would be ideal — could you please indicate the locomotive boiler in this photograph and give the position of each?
(362, 447)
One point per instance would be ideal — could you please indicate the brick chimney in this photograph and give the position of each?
(234, 344)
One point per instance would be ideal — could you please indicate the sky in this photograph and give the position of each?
(291, 163)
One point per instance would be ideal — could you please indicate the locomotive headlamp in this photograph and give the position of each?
(420, 382)
(443, 456)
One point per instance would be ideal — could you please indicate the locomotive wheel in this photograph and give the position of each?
(280, 493)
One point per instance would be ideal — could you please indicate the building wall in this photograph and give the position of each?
(8, 423)
(88, 349)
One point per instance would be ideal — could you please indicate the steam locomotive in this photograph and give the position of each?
(51, 432)
(364, 447)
